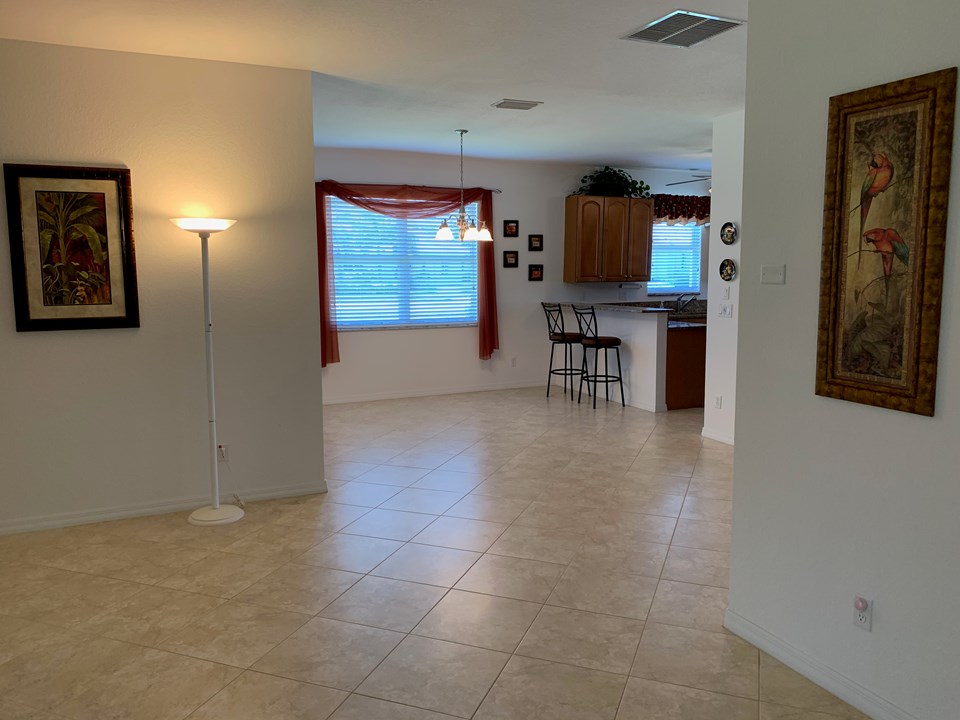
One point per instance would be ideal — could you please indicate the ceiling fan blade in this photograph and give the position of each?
(684, 182)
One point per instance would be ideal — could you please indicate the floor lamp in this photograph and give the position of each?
(214, 513)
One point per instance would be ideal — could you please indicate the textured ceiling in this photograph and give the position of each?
(402, 74)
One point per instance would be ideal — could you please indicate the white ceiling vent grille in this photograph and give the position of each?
(683, 28)
(506, 104)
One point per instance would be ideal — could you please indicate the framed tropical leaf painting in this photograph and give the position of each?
(884, 233)
(71, 247)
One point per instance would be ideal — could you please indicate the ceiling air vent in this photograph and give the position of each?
(683, 28)
(516, 104)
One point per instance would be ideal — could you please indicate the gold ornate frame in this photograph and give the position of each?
(878, 338)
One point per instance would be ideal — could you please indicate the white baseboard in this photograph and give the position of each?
(826, 677)
(82, 517)
(718, 436)
(285, 491)
(400, 394)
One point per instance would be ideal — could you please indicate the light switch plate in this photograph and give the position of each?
(725, 310)
(773, 274)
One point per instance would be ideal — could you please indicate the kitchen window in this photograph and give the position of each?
(392, 273)
(675, 259)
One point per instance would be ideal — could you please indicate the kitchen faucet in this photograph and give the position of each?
(682, 305)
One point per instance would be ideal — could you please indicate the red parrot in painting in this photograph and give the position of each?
(877, 180)
(889, 244)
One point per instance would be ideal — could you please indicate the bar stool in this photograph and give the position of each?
(558, 336)
(587, 320)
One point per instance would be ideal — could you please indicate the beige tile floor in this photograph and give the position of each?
(497, 556)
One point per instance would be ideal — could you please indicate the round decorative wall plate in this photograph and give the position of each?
(728, 233)
(728, 270)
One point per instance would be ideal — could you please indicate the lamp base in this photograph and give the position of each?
(210, 515)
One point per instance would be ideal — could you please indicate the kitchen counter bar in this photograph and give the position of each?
(643, 352)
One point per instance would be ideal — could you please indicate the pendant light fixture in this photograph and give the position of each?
(467, 227)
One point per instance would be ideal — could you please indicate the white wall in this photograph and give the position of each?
(833, 498)
(404, 363)
(99, 423)
(725, 206)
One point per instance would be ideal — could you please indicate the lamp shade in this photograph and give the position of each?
(202, 225)
(444, 232)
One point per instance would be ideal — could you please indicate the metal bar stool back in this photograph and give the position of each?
(559, 336)
(590, 338)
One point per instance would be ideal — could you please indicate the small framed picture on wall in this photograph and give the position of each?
(511, 228)
(535, 243)
(535, 273)
(511, 258)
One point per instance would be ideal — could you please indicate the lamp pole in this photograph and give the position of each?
(214, 513)
(211, 386)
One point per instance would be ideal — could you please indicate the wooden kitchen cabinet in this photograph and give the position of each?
(607, 239)
(686, 365)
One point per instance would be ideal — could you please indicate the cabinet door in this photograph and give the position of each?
(639, 240)
(616, 213)
(589, 239)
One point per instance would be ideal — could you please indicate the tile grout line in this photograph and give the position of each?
(516, 522)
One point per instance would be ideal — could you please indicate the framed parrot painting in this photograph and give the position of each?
(71, 247)
(884, 230)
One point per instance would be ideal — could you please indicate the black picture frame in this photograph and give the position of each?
(511, 258)
(71, 247)
(511, 228)
(535, 243)
(535, 273)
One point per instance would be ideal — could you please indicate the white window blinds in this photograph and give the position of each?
(390, 272)
(675, 260)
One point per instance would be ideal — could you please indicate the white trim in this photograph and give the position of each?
(82, 517)
(718, 436)
(826, 677)
(400, 394)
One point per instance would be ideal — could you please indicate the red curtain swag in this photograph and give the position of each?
(682, 209)
(406, 201)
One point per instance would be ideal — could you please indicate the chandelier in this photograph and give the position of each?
(467, 226)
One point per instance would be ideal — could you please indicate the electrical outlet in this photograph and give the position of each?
(863, 613)
(725, 310)
(718, 402)
(222, 455)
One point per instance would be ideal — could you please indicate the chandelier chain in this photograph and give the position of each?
(462, 206)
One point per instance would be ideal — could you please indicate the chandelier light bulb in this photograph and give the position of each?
(472, 235)
(444, 232)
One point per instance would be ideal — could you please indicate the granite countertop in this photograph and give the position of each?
(676, 319)
(682, 324)
(622, 307)
(619, 307)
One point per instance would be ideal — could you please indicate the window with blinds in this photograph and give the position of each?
(675, 259)
(391, 273)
